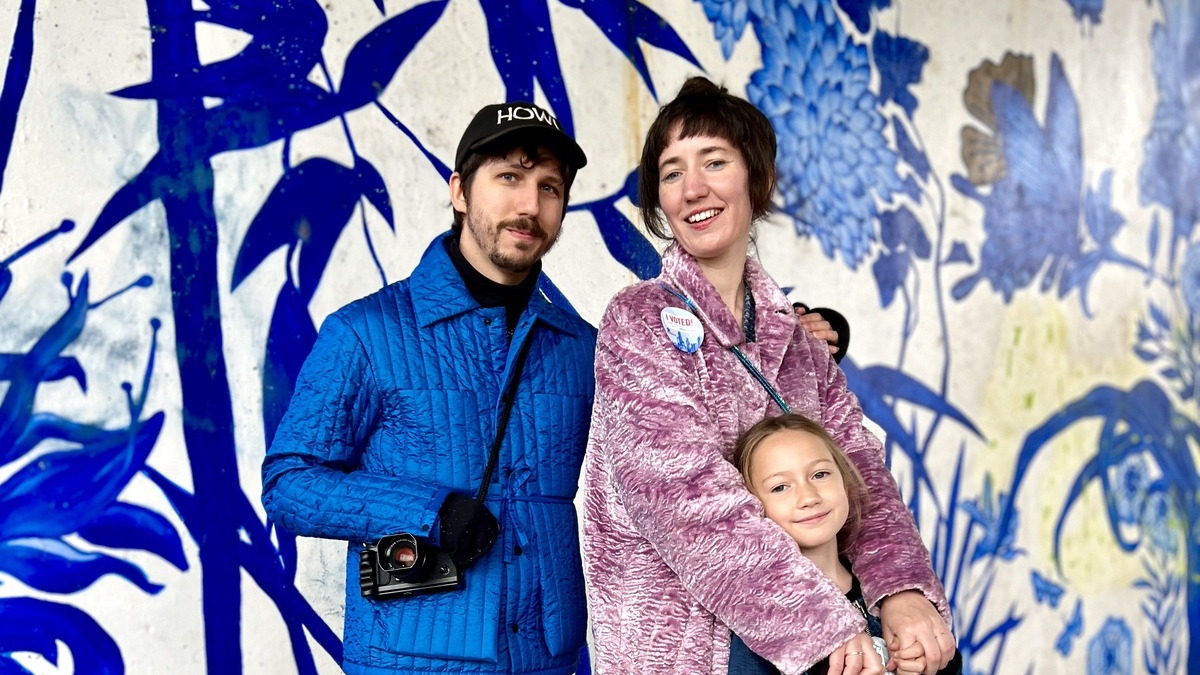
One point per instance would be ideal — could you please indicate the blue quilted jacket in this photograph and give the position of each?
(396, 407)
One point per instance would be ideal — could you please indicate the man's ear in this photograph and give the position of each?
(458, 195)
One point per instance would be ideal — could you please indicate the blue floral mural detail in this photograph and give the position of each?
(61, 519)
(1171, 155)
(833, 161)
(1087, 10)
(1110, 651)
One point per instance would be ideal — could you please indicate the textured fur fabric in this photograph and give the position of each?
(677, 551)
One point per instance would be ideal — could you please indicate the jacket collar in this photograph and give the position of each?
(683, 273)
(439, 293)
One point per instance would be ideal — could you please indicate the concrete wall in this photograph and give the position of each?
(1002, 198)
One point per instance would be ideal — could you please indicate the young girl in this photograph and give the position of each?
(811, 489)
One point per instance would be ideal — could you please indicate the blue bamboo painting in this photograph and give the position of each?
(843, 90)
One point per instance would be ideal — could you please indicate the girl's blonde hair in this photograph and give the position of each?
(852, 480)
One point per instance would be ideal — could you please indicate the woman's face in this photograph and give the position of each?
(704, 193)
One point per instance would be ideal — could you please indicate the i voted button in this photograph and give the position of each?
(683, 328)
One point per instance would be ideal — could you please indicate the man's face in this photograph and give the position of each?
(513, 213)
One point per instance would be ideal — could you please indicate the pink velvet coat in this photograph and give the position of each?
(676, 551)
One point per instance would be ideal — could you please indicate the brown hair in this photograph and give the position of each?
(704, 109)
(533, 154)
(856, 488)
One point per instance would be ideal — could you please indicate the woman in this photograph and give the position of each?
(677, 552)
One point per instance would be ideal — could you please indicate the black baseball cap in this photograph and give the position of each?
(494, 122)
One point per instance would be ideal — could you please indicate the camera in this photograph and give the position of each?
(399, 565)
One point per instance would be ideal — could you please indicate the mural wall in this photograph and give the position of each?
(1002, 198)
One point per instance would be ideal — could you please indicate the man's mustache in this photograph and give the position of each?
(527, 225)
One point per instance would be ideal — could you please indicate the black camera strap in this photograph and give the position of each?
(506, 401)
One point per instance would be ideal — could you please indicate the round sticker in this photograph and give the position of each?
(683, 328)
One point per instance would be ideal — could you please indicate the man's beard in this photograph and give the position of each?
(509, 263)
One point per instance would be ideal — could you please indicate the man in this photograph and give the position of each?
(399, 418)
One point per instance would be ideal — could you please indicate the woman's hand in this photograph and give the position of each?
(918, 638)
(816, 325)
(856, 657)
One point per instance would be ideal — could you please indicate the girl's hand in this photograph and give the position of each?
(856, 657)
(911, 623)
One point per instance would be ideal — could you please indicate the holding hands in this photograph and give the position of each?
(856, 657)
(918, 638)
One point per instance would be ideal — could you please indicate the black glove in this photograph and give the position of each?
(467, 529)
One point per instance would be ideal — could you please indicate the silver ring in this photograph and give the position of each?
(853, 653)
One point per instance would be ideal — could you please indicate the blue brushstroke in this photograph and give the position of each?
(16, 78)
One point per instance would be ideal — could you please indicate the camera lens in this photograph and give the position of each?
(402, 556)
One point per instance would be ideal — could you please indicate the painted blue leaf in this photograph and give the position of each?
(625, 242)
(285, 45)
(890, 269)
(897, 385)
(859, 11)
(911, 189)
(374, 60)
(32, 625)
(900, 63)
(1159, 316)
(1145, 354)
(625, 23)
(1045, 591)
(17, 407)
(53, 566)
(135, 527)
(1170, 373)
(1151, 243)
(148, 185)
(181, 500)
(1071, 631)
(1102, 222)
(900, 229)
(1062, 127)
(310, 205)
(1078, 273)
(374, 189)
(1143, 332)
(289, 340)
(16, 78)
(958, 254)
(63, 491)
(523, 49)
(11, 366)
(909, 152)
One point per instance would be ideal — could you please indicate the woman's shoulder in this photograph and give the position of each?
(643, 299)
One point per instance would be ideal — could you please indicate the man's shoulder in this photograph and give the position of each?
(373, 308)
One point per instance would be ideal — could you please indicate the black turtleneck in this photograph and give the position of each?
(489, 293)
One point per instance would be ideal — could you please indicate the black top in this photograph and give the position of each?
(490, 293)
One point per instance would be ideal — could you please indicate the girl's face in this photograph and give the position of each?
(704, 192)
(801, 488)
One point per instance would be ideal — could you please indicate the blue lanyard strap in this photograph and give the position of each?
(736, 352)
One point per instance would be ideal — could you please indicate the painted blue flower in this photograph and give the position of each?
(1130, 493)
(1110, 651)
(1157, 521)
(1171, 168)
(1190, 280)
(728, 18)
(833, 161)
(988, 513)
(1032, 213)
